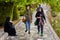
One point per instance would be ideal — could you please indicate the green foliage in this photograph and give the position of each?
(56, 26)
(8, 0)
(6, 9)
(15, 13)
(55, 4)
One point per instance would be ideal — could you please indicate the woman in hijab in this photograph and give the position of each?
(40, 20)
(9, 28)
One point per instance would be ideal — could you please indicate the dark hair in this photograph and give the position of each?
(41, 9)
(28, 5)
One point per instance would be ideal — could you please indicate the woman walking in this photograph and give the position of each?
(40, 20)
(28, 16)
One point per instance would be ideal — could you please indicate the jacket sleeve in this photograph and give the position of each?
(31, 14)
(36, 15)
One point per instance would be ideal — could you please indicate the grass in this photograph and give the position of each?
(56, 27)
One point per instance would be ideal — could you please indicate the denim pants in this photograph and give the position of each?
(28, 26)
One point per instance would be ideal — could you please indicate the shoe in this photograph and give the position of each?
(28, 32)
(37, 32)
(25, 30)
(41, 34)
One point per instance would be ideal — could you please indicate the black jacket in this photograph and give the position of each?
(42, 17)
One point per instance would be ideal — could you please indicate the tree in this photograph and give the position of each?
(6, 9)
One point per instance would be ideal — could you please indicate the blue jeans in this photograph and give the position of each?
(28, 26)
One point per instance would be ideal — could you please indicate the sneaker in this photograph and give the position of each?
(37, 32)
(41, 34)
(25, 30)
(28, 32)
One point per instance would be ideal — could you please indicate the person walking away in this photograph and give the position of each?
(40, 20)
(9, 28)
(28, 16)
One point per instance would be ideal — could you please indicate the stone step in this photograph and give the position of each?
(4, 36)
(1, 33)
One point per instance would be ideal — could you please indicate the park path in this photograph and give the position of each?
(49, 33)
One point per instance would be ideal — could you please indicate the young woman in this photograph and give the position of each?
(40, 20)
(28, 16)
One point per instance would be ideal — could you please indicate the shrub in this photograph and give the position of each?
(6, 9)
(15, 13)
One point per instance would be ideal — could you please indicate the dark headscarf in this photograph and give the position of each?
(7, 19)
(41, 9)
(7, 24)
(41, 12)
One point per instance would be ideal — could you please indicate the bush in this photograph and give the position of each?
(56, 26)
(22, 10)
(6, 9)
(15, 13)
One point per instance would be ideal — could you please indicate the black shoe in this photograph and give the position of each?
(28, 32)
(38, 32)
(41, 34)
(25, 30)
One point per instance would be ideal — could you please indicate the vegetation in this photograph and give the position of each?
(56, 26)
(6, 9)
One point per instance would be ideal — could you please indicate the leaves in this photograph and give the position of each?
(8, 0)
